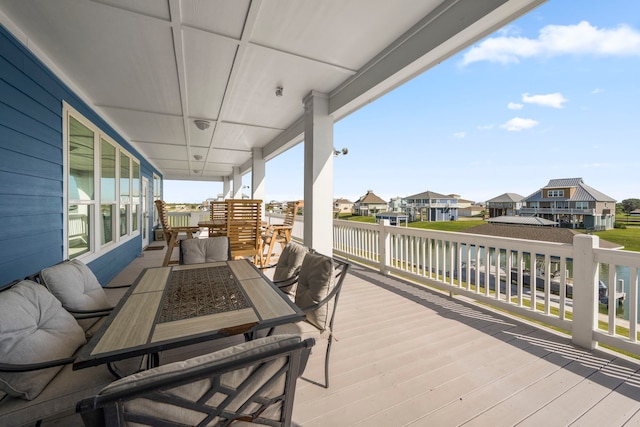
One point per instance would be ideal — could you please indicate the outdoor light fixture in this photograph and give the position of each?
(344, 151)
(197, 156)
(196, 170)
(202, 124)
(279, 90)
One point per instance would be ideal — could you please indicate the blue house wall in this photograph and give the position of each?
(32, 171)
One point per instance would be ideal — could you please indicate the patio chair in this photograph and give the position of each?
(211, 249)
(253, 382)
(171, 233)
(218, 218)
(80, 292)
(318, 289)
(279, 233)
(287, 269)
(243, 227)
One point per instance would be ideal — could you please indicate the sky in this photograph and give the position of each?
(554, 94)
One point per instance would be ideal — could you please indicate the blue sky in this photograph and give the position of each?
(555, 94)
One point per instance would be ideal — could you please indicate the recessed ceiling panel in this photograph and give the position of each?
(254, 99)
(330, 30)
(229, 157)
(149, 127)
(242, 137)
(208, 60)
(155, 8)
(163, 151)
(217, 16)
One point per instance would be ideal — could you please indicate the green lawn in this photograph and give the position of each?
(446, 225)
(628, 237)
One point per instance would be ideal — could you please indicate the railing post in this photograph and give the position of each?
(585, 290)
(384, 246)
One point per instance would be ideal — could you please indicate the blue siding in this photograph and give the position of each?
(31, 169)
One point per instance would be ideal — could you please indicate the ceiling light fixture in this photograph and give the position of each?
(279, 91)
(197, 156)
(196, 170)
(202, 124)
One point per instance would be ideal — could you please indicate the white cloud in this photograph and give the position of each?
(460, 134)
(517, 124)
(555, 40)
(514, 106)
(485, 127)
(555, 100)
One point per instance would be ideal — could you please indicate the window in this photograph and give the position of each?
(555, 193)
(157, 185)
(582, 205)
(101, 178)
(80, 187)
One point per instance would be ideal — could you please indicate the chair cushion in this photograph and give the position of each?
(34, 328)
(198, 251)
(75, 285)
(254, 380)
(289, 263)
(314, 284)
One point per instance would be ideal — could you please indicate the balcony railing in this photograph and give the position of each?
(494, 271)
(558, 211)
(186, 218)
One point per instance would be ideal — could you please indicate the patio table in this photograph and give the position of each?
(175, 306)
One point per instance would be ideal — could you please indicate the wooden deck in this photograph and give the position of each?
(406, 355)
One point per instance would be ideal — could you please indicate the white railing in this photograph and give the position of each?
(559, 211)
(567, 275)
(186, 218)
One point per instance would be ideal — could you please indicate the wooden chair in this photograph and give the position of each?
(218, 219)
(243, 227)
(279, 233)
(171, 233)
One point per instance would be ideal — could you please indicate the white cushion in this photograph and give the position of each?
(198, 251)
(75, 285)
(289, 263)
(34, 328)
(314, 284)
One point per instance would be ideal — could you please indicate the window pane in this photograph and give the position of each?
(108, 176)
(135, 199)
(81, 152)
(124, 219)
(79, 226)
(108, 218)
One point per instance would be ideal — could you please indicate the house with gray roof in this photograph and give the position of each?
(573, 204)
(432, 206)
(507, 204)
(369, 204)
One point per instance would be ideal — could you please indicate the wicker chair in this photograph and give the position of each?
(171, 233)
(253, 382)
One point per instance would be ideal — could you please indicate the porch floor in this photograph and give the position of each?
(407, 355)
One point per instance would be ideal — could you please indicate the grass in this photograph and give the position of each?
(628, 237)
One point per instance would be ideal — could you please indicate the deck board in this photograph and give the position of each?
(405, 355)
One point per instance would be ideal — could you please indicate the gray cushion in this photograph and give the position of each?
(34, 328)
(198, 251)
(314, 284)
(289, 264)
(75, 285)
(251, 378)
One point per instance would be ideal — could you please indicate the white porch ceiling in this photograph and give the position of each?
(152, 67)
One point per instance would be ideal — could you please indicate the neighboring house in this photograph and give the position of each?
(431, 206)
(462, 203)
(573, 204)
(507, 204)
(469, 211)
(342, 206)
(635, 212)
(369, 204)
(397, 204)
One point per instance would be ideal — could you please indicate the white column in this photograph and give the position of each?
(585, 291)
(226, 188)
(257, 176)
(318, 173)
(237, 183)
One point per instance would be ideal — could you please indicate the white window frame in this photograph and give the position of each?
(96, 248)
